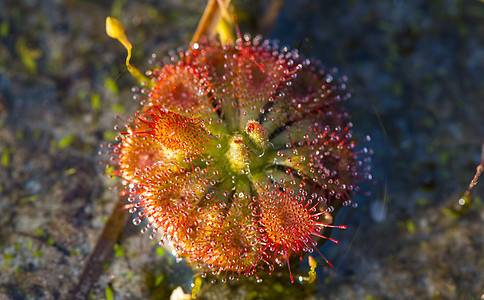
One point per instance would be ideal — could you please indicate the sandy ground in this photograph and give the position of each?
(415, 70)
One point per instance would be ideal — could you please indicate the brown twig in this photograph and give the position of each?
(102, 252)
(479, 170)
(466, 198)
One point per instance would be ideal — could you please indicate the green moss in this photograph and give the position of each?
(75, 251)
(19, 135)
(397, 89)
(66, 141)
(39, 232)
(117, 7)
(129, 275)
(29, 199)
(4, 29)
(118, 250)
(109, 293)
(410, 226)
(160, 251)
(117, 108)
(111, 86)
(278, 287)
(422, 201)
(70, 171)
(96, 102)
(37, 133)
(28, 56)
(5, 158)
(159, 279)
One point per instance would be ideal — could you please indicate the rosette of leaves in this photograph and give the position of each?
(240, 155)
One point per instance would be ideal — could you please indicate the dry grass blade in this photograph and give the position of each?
(479, 170)
(214, 12)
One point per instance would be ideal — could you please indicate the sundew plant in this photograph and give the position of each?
(240, 155)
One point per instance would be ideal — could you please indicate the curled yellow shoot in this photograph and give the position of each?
(216, 19)
(115, 30)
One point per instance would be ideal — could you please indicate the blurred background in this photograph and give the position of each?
(415, 70)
